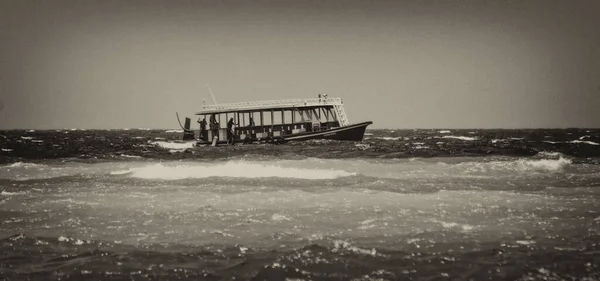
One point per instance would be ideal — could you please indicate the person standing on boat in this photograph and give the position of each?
(230, 131)
(251, 133)
(203, 132)
(214, 126)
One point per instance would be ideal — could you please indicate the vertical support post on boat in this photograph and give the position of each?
(335, 117)
(262, 123)
(293, 116)
(203, 132)
(272, 121)
(237, 131)
(281, 130)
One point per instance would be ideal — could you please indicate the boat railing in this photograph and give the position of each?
(287, 103)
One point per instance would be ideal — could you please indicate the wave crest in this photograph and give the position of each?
(547, 162)
(23, 165)
(230, 169)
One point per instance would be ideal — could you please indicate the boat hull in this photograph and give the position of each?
(354, 132)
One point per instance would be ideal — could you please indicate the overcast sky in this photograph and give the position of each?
(400, 64)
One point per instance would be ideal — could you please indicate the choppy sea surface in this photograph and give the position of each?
(400, 205)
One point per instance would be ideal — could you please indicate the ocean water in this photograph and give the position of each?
(401, 205)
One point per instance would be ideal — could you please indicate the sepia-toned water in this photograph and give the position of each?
(401, 205)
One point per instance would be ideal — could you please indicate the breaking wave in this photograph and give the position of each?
(23, 165)
(585, 142)
(229, 169)
(174, 145)
(460, 138)
(543, 162)
(389, 138)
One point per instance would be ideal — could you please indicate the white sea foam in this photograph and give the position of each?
(22, 165)
(444, 132)
(174, 131)
(174, 145)
(366, 134)
(362, 146)
(130, 156)
(236, 169)
(6, 193)
(123, 172)
(27, 138)
(574, 141)
(551, 155)
(586, 142)
(543, 162)
(278, 217)
(453, 225)
(534, 165)
(7, 150)
(460, 138)
(340, 245)
(388, 138)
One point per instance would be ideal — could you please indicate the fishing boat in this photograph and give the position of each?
(275, 121)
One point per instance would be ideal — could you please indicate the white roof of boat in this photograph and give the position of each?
(272, 104)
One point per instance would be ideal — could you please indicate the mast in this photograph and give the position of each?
(211, 94)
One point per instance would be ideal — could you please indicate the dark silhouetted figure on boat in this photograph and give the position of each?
(230, 131)
(251, 134)
(214, 126)
(203, 133)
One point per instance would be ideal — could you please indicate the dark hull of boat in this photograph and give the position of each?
(354, 132)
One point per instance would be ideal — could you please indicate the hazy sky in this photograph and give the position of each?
(400, 64)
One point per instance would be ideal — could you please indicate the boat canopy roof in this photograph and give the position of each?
(269, 105)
